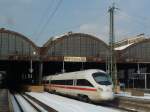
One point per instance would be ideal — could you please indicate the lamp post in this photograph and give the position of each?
(133, 82)
(31, 66)
(145, 77)
(40, 70)
(138, 68)
(63, 65)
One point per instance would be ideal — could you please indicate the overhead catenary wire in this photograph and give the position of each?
(135, 20)
(39, 34)
(49, 19)
(67, 29)
(44, 15)
(74, 27)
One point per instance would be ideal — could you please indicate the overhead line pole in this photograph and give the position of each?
(112, 56)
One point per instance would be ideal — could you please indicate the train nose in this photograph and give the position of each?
(107, 95)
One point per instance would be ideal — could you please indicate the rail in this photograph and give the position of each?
(49, 109)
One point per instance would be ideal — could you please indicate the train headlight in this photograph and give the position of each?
(101, 89)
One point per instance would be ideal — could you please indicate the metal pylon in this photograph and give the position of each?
(112, 55)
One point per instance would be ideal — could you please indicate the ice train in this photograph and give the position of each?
(88, 85)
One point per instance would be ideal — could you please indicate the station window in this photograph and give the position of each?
(83, 82)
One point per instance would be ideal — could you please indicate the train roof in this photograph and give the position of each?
(73, 75)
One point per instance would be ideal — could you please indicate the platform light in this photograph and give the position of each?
(34, 53)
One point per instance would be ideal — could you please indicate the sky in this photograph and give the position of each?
(40, 20)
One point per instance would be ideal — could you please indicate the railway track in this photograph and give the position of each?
(129, 104)
(26, 103)
(123, 104)
(5, 102)
(49, 109)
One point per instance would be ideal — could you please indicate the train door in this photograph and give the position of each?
(73, 91)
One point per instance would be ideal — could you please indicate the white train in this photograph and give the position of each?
(88, 85)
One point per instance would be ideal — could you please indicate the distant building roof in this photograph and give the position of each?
(55, 38)
(123, 47)
(120, 45)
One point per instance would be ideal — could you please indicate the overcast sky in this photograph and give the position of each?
(41, 19)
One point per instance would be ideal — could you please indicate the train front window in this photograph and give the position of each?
(102, 78)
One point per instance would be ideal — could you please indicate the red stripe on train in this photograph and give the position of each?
(71, 87)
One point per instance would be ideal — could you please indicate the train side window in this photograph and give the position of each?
(43, 81)
(83, 82)
(57, 82)
(53, 82)
(46, 81)
(69, 82)
(62, 82)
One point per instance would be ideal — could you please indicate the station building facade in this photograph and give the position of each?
(75, 51)
(134, 63)
(21, 59)
(16, 53)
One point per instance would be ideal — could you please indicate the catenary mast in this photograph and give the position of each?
(112, 55)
